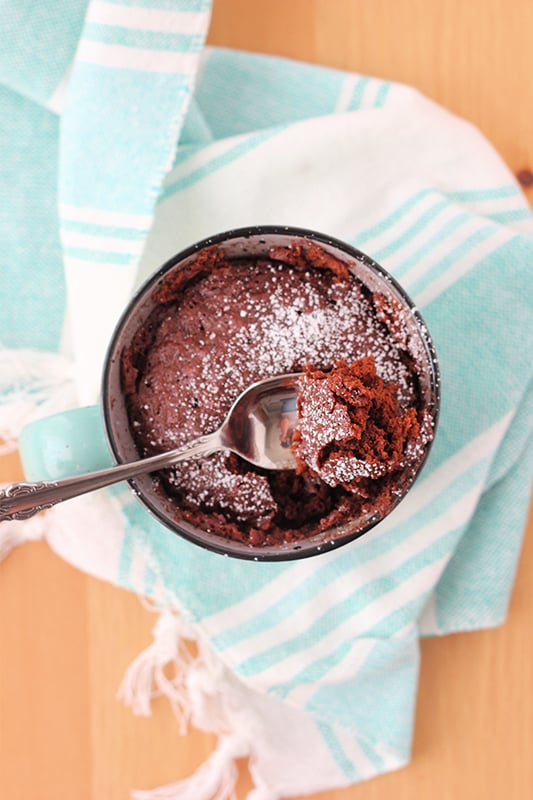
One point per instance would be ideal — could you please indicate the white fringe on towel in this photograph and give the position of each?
(195, 696)
(145, 678)
(215, 779)
(33, 384)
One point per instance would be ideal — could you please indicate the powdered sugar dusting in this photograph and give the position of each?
(250, 500)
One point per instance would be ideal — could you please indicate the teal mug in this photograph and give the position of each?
(93, 438)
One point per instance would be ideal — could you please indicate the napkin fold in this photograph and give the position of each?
(124, 139)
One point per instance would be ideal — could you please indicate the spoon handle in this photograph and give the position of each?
(23, 500)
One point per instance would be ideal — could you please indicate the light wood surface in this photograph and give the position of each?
(66, 639)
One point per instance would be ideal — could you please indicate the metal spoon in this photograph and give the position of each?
(258, 427)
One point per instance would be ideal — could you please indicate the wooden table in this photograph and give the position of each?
(66, 639)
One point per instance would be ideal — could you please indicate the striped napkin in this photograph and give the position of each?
(124, 140)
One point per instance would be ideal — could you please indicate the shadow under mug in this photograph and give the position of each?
(95, 437)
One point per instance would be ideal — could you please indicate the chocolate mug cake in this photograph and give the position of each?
(368, 398)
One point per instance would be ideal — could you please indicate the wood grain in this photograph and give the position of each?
(66, 639)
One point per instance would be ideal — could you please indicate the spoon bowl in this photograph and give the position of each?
(261, 422)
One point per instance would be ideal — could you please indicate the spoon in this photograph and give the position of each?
(258, 427)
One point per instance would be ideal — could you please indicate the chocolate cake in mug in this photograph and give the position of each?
(291, 301)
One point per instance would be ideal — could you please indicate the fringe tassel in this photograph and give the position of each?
(145, 678)
(216, 779)
(17, 532)
(33, 384)
(196, 695)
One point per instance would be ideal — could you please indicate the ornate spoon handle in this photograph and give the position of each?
(19, 501)
(23, 500)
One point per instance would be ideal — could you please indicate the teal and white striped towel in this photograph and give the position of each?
(124, 140)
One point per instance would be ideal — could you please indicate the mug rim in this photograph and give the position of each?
(297, 551)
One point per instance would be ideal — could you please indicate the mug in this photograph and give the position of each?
(96, 437)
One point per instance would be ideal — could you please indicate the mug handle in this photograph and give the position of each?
(65, 444)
